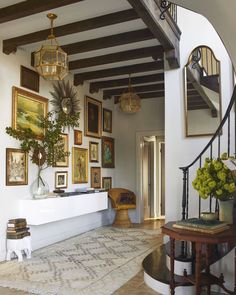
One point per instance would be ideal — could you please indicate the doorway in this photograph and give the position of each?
(151, 176)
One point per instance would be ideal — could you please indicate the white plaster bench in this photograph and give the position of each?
(17, 246)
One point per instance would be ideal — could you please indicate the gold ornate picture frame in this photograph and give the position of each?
(63, 144)
(93, 117)
(95, 174)
(79, 165)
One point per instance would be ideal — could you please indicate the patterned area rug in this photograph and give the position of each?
(97, 262)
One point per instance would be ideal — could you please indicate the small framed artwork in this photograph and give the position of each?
(107, 183)
(93, 152)
(61, 179)
(27, 109)
(107, 120)
(96, 177)
(78, 137)
(108, 152)
(29, 79)
(79, 165)
(93, 117)
(16, 167)
(63, 144)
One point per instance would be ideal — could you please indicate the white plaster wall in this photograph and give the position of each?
(150, 118)
(9, 196)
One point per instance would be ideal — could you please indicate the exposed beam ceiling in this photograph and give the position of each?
(107, 94)
(95, 86)
(10, 45)
(144, 95)
(139, 68)
(29, 7)
(108, 41)
(156, 52)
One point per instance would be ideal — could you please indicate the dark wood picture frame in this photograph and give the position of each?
(107, 183)
(16, 167)
(93, 117)
(78, 137)
(95, 174)
(61, 179)
(29, 79)
(108, 152)
(107, 120)
(93, 152)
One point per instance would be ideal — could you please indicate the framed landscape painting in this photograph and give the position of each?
(93, 117)
(107, 120)
(93, 152)
(108, 152)
(96, 177)
(107, 183)
(79, 165)
(63, 144)
(16, 167)
(27, 109)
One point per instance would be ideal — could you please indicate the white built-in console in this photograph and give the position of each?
(47, 210)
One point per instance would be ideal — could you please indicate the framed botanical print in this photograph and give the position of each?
(16, 167)
(107, 120)
(27, 109)
(79, 165)
(95, 177)
(107, 183)
(63, 144)
(78, 138)
(61, 179)
(93, 117)
(93, 152)
(108, 152)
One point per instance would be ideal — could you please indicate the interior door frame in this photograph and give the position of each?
(139, 189)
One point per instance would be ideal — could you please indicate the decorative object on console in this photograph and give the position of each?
(29, 79)
(209, 216)
(50, 61)
(61, 179)
(79, 165)
(107, 120)
(63, 144)
(130, 102)
(95, 177)
(93, 117)
(66, 103)
(78, 137)
(108, 152)
(27, 110)
(107, 183)
(16, 167)
(93, 152)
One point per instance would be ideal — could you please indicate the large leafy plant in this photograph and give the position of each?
(214, 179)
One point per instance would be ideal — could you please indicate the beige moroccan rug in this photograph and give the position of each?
(97, 262)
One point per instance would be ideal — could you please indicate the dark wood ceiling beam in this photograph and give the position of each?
(29, 7)
(166, 31)
(156, 52)
(126, 70)
(95, 86)
(10, 45)
(144, 95)
(108, 41)
(107, 94)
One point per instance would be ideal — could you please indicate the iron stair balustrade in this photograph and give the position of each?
(215, 138)
(170, 7)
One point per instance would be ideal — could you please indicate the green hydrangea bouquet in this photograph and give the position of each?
(214, 179)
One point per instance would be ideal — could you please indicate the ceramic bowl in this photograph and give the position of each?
(209, 216)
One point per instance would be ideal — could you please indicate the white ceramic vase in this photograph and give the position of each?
(226, 211)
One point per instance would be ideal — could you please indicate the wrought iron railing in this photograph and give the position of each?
(212, 149)
(170, 7)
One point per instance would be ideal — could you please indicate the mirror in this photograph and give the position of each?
(202, 92)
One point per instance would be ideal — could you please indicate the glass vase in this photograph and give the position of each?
(39, 188)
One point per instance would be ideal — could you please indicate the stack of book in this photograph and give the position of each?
(199, 225)
(17, 228)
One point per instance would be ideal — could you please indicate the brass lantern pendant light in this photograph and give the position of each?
(130, 102)
(50, 61)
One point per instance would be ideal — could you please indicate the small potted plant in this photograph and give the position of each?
(216, 179)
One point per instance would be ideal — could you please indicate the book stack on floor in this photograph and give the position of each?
(199, 225)
(17, 229)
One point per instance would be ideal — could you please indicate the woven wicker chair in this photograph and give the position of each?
(122, 200)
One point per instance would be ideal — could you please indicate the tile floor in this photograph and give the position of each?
(135, 286)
